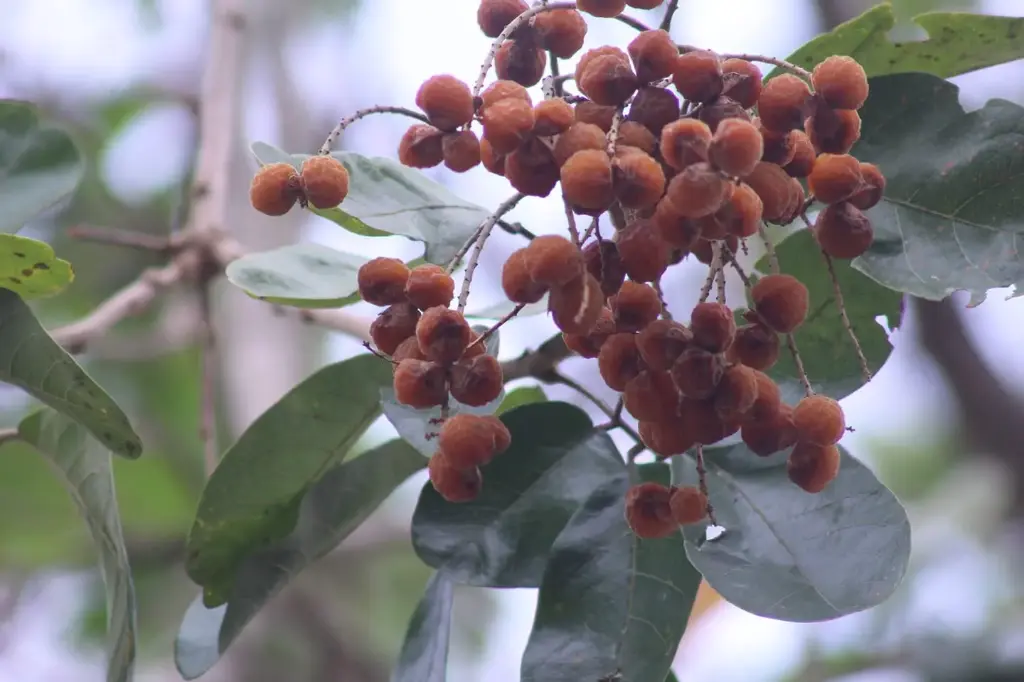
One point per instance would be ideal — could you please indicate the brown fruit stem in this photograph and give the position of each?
(716, 265)
(665, 314)
(335, 133)
(570, 217)
(702, 483)
(497, 325)
(670, 11)
(764, 59)
(615, 420)
(479, 238)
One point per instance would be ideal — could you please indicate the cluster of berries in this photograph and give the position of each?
(322, 183)
(435, 356)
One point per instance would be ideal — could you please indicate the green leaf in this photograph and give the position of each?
(610, 602)
(30, 268)
(387, 198)
(254, 497)
(86, 472)
(301, 275)
(424, 656)
(791, 555)
(957, 43)
(671, 677)
(334, 507)
(33, 361)
(527, 395)
(503, 537)
(828, 353)
(39, 164)
(954, 197)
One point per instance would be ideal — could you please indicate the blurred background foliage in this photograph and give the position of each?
(959, 616)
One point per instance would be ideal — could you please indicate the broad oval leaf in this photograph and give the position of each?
(301, 275)
(39, 164)
(30, 268)
(957, 42)
(610, 602)
(254, 496)
(334, 507)
(504, 536)
(525, 395)
(424, 655)
(828, 354)
(86, 472)
(790, 555)
(954, 200)
(31, 360)
(387, 198)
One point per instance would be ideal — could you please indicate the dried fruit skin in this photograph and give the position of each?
(503, 89)
(698, 76)
(819, 420)
(589, 345)
(587, 181)
(651, 396)
(494, 15)
(561, 31)
(476, 381)
(467, 441)
(743, 81)
(602, 8)
(595, 114)
(507, 123)
(813, 467)
(833, 131)
(654, 55)
(578, 137)
(736, 393)
(461, 151)
(382, 281)
(804, 156)
(447, 102)
(443, 334)
(275, 189)
(638, 180)
(608, 79)
(654, 108)
(698, 190)
(420, 383)
(841, 82)
(843, 231)
(395, 324)
(643, 252)
(603, 261)
(516, 281)
(721, 109)
(324, 180)
(675, 229)
(648, 510)
(713, 326)
(835, 177)
(553, 260)
(454, 485)
(662, 342)
(619, 360)
(874, 187)
(492, 160)
(406, 350)
(772, 185)
(736, 147)
(689, 505)
(783, 103)
(576, 306)
(502, 436)
(741, 215)
(429, 285)
(635, 306)
(697, 373)
(530, 174)
(779, 148)
(755, 346)
(769, 398)
(520, 61)
(634, 136)
(704, 423)
(702, 248)
(665, 439)
(421, 146)
(781, 301)
(552, 116)
(774, 434)
(685, 142)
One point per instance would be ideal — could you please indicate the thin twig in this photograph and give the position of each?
(9, 435)
(731, 257)
(656, 284)
(368, 346)
(335, 133)
(670, 11)
(208, 402)
(613, 131)
(781, 63)
(493, 219)
(570, 217)
(595, 228)
(633, 23)
(702, 482)
(769, 247)
(716, 265)
(720, 275)
(119, 237)
(516, 229)
(480, 238)
(539, 362)
(497, 325)
(838, 291)
(555, 377)
(631, 455)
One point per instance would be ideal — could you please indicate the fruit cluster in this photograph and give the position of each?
(436, 356)
(322, 182)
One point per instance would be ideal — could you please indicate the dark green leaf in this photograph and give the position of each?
(29, 267)
(954, 199)
(253, 498)
(526, 395)
(957, 43)
(671, 677)
(86, 472)
(791, 555)
(334, 507)
(828, 353)
(301, 275)
(424, 656)
(39, 164)
(33, 361)
(610, 601)
(504, 536)
(387, 198)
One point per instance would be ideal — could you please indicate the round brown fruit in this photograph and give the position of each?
(638, 180)
(324, 180)
(698, 190)
(553, 260)
(741, 215)
(420, 383)
(742, 81)
(587, 181)
(635, 306)
(530, 172)
(454, 485)
(736, 393)
(769, 398)
(382, 281)
(643, 253)
(503, 89)
(772, 434)
(675, 229)
(275, 188)
(492, 160)
(698, 372)
(507, 123)
(662, 342)
(697, 76)
(713, 326)
(578, 137)
(781, 301)
(649, 511)
(756, 346)
(589, 345)
(689, 505)
(421, 146)
(804, 155)
(665, 439)
(654, 108)
(461, 151)
(835, 177)
(606, 9)
(520, 61)
(516, 281)
(843, 231)
(704, 423)
(608, 79)
(603, 261)
(589, 112)
(476, 381)
(813, 467)
(408, 349)
(651, 396)
(840, 82)
(721, 109)
(494, 15)
(395, 324)
(779, 148)
(702, 250)
(552, 116)
(782, 105)
(443, 334)
(654, 55)
(428, 286)
(634, 136)
(467, 441)
(561, 31)
(619, 360)
(685, 142)
(833, 131)
(447, 102)
(873, 188)
(576, 305)
(736, 147)
(502, 436)
(772, 185)
(819, 420)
